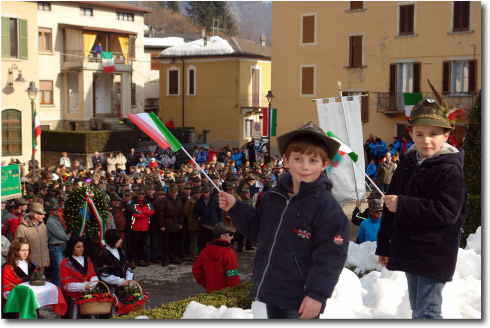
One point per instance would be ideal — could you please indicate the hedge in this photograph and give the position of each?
(84, 142)
(473, 219)
(233, 297)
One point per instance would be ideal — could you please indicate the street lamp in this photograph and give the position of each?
(269, 97)
(32, 93)
(19, 78)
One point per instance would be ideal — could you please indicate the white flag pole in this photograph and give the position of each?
(200, 169)
(348, 136)
(367, 176)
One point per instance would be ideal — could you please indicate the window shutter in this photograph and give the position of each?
(403, 18)
(365, 107)
(308, 29)
(472, 77)
(446, 77)
(465, 16)
(416, 77)
(23, 38)
(355, 5)
(5, 37)
(173, 82)
(457, 16)
(392, 79)
(307, 80)
(191, 82)
(410, 19)
(358, 51)
(154, 62)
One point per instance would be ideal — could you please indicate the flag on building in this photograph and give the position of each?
(36, 132)
(107, 62)
(155, 129)
(411, 99)
(273, 122)
(265, 121)
(348, 179)
(269, 122)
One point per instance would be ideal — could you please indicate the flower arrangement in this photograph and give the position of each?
(131, 298)
(93, 295)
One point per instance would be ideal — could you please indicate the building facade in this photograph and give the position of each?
(378, 49)
(218, 89)
(19, 62)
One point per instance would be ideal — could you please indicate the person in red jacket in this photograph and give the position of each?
(170, 123)
(12, 220)
(141, 210)
(216, 267)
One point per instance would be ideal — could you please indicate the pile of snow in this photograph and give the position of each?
(215, 46)
(163, 42)
(380, 294)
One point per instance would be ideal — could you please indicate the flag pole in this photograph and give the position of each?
(348, 136)
(367, 176)
(200, 169)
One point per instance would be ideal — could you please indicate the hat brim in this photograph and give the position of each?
(430, 122)
(331, 144)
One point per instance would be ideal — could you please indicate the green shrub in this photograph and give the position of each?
(473, 219)
(236, 297)
(84, 142)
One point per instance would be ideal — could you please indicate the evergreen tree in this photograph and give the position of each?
(172, 6)
(203, 13)
(472, 170)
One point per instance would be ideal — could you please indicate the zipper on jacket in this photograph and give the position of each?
(273, 242)
(299, 270)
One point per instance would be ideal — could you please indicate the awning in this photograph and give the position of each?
(96, 29)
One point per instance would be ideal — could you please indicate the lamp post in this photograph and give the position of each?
(32, 93)
(269, 121)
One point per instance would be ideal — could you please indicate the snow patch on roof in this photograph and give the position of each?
(163, 42)
(215, 46)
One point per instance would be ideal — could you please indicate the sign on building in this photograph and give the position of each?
(257, 130)
(11, 182)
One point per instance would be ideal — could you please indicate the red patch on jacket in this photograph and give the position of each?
(302, 233)
(338, 239)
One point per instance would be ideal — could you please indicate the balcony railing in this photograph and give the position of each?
(253, 100)
(393, 103)
(78, 56)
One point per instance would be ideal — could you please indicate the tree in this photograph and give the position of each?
(168, 21)
(173, 6)
(202, 13)
(472, 170)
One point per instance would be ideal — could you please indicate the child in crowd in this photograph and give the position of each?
(299, 229)
(425, 208)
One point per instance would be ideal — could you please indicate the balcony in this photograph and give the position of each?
(76, 59)
(252, 100)
(393, 103)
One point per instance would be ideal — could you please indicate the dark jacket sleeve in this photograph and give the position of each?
(357, 216)
(246, 218)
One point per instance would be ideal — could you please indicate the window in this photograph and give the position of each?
(45, 39)
(45, 6)
(125, 17)
(404, 77)
(459, 76)
(355, 50)
(308, 27)
(86, 11)
(191, 81)
(133, 94)
(307, 80)
(461, 16)
(173, 81)
(46, 92)
(11, 132)
(154, 62)
(406, 21)
(356, 5)
(14, 38)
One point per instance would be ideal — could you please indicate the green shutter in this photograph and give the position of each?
(23, 38)
(5, 37)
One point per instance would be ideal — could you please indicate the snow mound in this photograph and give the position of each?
(215, 46)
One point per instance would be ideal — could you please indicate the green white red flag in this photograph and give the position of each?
(155, 129)
(410, 100)
(344, 149)
(35, 133)
(107, 62)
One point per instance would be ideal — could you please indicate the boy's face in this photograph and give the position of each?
(428, 139)
(304, 167)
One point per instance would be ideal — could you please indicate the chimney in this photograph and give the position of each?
(262, 40)
(203, 35)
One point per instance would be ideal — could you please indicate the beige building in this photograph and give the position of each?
(76, 94)
(220, 87)
(380, 49)
(19, 59)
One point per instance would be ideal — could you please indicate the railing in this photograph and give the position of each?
(253, 100)
(93, 57)
(388, 102)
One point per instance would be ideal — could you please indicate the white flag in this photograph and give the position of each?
(346, 175)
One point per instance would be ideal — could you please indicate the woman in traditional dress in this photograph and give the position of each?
(112, 264)
(77, 274)
(17, 270)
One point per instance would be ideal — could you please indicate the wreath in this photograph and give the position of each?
(73, 211)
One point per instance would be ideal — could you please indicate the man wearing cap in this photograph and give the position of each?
(357, 216)
(171, 219)
(12, 220)
(192, 222)
(57, 238)
(208, 213)
(34, 229)
(368, 230)
(141, 210)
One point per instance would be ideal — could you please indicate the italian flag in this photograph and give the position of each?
(155, 129)
(36, 132)
(344, 149)
(411, 99)
(108, 62)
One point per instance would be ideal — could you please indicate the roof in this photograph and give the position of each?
(217, 46)
(93, 28)
(162, 42)
(119, 4)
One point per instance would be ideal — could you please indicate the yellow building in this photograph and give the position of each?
(19, 62)
(381, 49)
(220, 86)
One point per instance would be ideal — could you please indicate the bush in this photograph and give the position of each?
(84, 142)
(236, 296)
(473, 219)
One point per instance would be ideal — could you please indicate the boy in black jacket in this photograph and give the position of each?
(299, 229)
(425, 208)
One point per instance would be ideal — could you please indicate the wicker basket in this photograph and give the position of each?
(97, 307)
(138, 307)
